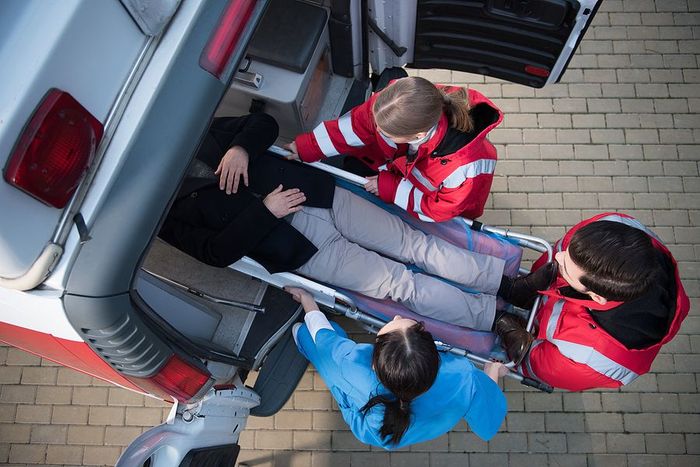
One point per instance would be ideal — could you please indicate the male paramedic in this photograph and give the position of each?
(617, 299)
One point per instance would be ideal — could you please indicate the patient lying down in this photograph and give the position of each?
(291, 217)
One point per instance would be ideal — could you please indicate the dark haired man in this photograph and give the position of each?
(618, 298)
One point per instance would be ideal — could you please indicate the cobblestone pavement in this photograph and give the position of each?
(620, 132)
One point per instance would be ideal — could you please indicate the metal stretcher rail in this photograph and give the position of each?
(525, 241)
(343, 305)
(376, 324)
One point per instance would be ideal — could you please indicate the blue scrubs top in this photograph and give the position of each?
(459, 391)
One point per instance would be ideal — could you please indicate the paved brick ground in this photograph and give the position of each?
(620, 132)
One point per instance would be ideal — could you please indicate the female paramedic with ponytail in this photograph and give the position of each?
(427, 142)
(399, 391)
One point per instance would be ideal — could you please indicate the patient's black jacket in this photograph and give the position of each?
(218, 229)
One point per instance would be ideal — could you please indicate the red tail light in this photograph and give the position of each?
(179, 379)
(536, 71)
(55, 149)
(222, 43)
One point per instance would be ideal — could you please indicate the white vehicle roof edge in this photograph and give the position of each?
(37, 272)
(570, 46)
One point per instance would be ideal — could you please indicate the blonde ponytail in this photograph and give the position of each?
(456, 106)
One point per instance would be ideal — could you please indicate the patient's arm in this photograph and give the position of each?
(221, 247)
(284, 202)
(245, 137)
(255, 132)
(232, 168)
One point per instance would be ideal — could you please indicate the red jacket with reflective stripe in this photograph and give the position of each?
(430, 188)
(572, 352)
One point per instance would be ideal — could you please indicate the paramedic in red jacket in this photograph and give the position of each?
(427, 142)
(617, 300)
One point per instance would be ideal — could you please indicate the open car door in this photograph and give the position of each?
(529, 42)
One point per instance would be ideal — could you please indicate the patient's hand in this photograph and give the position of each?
(232, 167)
(281, 203)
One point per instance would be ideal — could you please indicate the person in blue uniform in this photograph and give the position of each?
(399, 391)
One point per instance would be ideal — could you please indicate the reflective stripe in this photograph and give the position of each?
(387, 140)
(417, 199)
(470, 170)
(383, 167)
(526, 361)
(323, 139)
(421, 178)
(596, 361)
(403, 191)
(587, 355)
(631, 223)
(345, 126)
(554, 319)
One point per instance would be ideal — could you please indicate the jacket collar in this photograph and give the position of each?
(427, 147)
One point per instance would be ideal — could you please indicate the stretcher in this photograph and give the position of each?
(478, 346)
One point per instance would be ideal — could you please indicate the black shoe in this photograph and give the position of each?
(525, 288)
(516, 340)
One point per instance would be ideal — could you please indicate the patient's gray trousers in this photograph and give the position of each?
(355, 240)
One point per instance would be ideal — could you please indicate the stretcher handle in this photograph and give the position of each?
(482, 361)
(533, 383)
(335, 171)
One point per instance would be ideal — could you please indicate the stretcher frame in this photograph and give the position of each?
(341, 304)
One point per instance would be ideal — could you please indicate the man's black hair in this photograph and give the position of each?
(619, 262)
